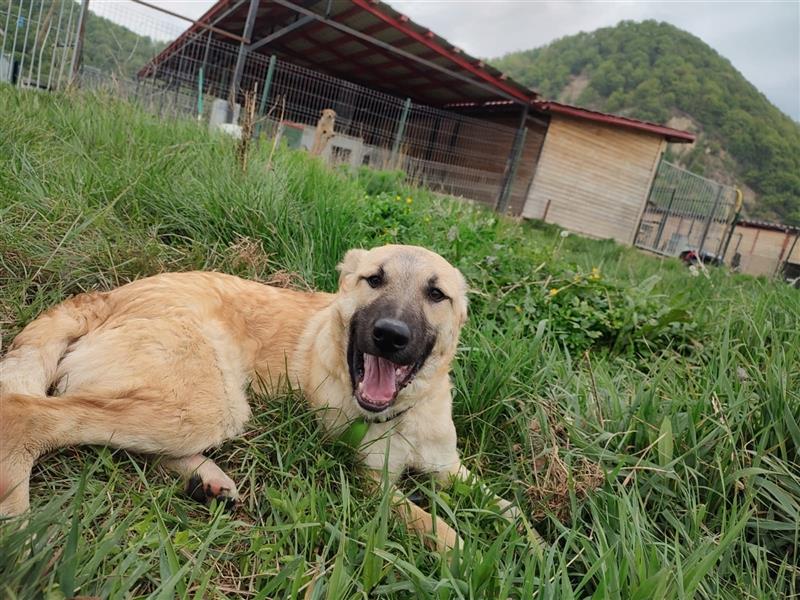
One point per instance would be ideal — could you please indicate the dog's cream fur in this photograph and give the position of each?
(162, 366)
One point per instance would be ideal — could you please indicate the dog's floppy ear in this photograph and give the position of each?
(349, 264)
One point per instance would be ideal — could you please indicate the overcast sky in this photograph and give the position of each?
(760, 37)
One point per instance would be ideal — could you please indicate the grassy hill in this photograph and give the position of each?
(644, 420)
(657, 72)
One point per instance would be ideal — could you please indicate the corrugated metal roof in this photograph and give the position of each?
(324, 45)
(363, 57)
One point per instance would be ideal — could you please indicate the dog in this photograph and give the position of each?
(162, 366)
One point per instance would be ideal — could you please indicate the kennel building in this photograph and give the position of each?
(406, 98)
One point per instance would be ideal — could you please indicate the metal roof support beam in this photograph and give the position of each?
(243, 52)
(451, 55)
(221, 32)
(280, 33)
(431, 65)
(513, 162)
(227, 12)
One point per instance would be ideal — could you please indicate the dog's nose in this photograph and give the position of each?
(390, 335)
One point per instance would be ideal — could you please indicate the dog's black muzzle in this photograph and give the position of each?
(387, 347)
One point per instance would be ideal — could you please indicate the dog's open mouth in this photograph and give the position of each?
(378, 380)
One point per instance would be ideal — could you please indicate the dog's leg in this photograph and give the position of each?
(139, 421)
(435, 533)
(204, 479)
(460, 472)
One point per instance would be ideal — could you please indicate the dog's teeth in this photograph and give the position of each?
(397, 372)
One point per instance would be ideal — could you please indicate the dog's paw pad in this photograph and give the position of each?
(205, 491)
(228, 502)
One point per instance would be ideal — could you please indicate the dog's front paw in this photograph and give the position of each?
(445, 538)
(510, 512)
(222, 490)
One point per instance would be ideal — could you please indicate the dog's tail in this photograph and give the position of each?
(33, 357)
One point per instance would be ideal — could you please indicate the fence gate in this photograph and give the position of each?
(686, 212)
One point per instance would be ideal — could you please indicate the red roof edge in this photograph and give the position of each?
(768, 225)
(671, 135)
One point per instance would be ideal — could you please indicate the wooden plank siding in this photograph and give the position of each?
(593, 178)
(762, 251)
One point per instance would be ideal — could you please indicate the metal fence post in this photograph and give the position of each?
(267, 84)
(739, 204)
(6, 30)
(244, 50)
(76, 55)
(708, 221)
(401, 128)
(513, 161)
(664, 219)
(24, 46)
(788, 257)
(36, 41)
(200, 75)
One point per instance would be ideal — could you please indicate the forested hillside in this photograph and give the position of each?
(111, 47)
(657, 72)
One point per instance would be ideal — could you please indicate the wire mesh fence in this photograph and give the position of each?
(686, 212)
(439, 149)
(38, 42)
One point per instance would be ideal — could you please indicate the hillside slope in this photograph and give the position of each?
(657, 72)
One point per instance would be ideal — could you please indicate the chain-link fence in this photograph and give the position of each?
(686, 212)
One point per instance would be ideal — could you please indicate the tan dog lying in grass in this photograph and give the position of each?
(162, 366)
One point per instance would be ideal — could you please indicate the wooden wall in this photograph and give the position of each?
(593, 178)
(763, 251)
(531, 151)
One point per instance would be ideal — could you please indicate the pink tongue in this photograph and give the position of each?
(380, 382)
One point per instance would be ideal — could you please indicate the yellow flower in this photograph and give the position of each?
(595, 274)
(577, 278)
(409, 200)
(518, 309)
(397, 197)
(553, 291)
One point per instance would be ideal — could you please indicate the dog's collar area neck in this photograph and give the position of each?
(357, 429)
(386, 418)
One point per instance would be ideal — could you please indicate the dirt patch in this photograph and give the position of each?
(554, 478)
(573, 90)
(682, 122)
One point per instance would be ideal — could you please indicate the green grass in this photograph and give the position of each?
(683, 390)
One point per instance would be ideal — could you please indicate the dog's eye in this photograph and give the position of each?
(375, 281)
(436, 295)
